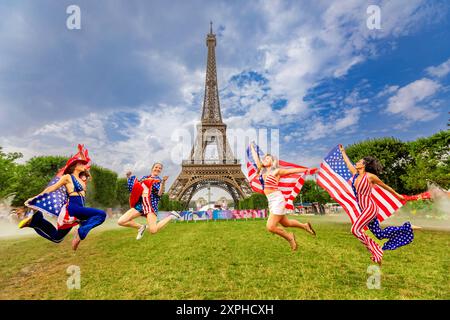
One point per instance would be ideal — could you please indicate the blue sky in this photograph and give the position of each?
(133, 76)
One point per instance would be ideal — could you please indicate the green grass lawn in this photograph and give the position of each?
(223, 260)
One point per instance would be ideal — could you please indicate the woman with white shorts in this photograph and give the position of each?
(271, 174)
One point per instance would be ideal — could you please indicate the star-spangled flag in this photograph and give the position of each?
(335, 177)
(289, 185)
(54, 204)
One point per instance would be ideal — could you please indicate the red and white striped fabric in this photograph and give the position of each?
(66, 221)
(289, 185)
(335, 178)
(146, 196)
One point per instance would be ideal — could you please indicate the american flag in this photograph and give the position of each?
(335, 177)
(289, 185)
(54, 204)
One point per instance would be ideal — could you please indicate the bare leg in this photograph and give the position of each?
(76, 241)
(126, 220)
(272, 226)
(153, 226)
(292, 223)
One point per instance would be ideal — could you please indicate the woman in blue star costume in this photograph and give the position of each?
(65, 198)
(147, 205)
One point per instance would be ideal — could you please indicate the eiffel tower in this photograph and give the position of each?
(197, 172)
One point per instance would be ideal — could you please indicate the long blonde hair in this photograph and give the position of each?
(274, 166)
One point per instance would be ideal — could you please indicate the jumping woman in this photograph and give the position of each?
(270, 172)
(365, 176)
(65, 197)
(151, 189)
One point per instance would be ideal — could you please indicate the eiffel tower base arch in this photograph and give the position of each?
(193, 178)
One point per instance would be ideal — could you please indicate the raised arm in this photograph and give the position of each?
(52, 188)
(163, 185)
(349, 164)
(128, 174)
(57, 185)
(285, 172)
(255, 156)
(375, 180)
(130, 181)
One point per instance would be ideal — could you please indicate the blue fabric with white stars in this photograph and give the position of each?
(52, 202)
(336, 162)
(154, 197)
(398, 236)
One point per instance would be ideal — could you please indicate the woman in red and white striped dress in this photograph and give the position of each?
(362, 181)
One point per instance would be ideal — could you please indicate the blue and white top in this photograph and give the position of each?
(154, 197)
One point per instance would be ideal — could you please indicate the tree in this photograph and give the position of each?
(255, 201)
(8, 170)
(102, 190)
(32, 177)
(122, 193)
(259, 201)
(311, 192)
(176, 205)
(430, 161)
(165, 204)
(393, 155)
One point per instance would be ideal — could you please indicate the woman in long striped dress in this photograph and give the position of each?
(364, 177)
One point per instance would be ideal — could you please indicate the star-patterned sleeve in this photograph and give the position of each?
(156, 187)
(131, 183)
(154, 195)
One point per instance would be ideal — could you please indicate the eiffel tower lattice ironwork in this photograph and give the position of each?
(197, 172)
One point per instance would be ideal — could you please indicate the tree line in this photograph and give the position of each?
(407, 167)
(22, 181)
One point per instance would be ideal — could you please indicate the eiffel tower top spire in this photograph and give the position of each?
(211, 106)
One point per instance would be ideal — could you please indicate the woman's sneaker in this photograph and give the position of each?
(25, 222)
(176, 214)
(141, 232)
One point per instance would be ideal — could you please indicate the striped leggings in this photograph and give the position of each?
(367, 215)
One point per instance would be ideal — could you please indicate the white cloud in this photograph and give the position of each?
(332, 38)
(147, 141)
(343, 69)
(317, 128)
(351, 117)
(407, 99)
(353, 99)
(439, 71)
(294, 45)
(388, 90)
